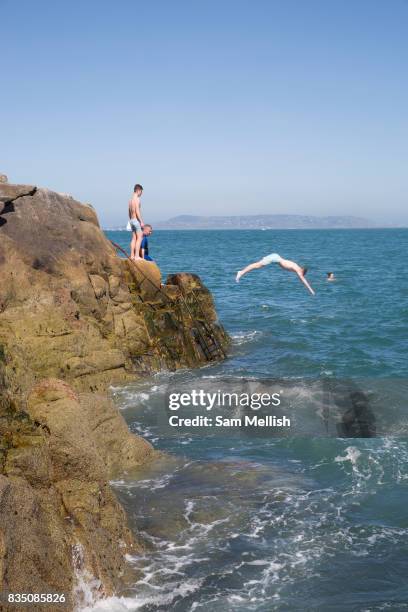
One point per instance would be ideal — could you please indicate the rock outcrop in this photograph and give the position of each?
(75, 318)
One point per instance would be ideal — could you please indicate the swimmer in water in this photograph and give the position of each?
(286, 264)
(330, 276)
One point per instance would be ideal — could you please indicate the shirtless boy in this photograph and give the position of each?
(286, 264)
(136, 222)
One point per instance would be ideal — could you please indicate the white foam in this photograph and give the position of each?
(130, 604)
(87, 588)
(352, 454)
(242, 337)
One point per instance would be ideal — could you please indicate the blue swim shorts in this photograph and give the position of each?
(134, 225)
(272, 258)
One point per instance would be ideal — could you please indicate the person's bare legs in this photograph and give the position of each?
(253, 266)
(133, 245)
(139, 236)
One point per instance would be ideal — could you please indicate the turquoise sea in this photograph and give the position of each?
(237, 522)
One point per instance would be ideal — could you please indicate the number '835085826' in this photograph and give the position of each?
(33, 598)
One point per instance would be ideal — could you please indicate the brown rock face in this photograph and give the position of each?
(71, 308)
(75, 318)
(58, 515)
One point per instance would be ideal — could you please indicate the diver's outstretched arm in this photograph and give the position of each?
(306, 284)
(253, 266)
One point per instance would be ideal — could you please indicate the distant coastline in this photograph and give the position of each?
(265, 222)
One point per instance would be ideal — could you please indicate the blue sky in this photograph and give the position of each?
(216, 107)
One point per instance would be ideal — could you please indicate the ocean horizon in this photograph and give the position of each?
(264, 229)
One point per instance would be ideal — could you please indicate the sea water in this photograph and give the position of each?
(238, 522)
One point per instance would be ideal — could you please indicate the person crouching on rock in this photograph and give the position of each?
(135, 224)
(144, 246)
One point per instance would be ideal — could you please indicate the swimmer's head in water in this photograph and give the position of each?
(330, 274)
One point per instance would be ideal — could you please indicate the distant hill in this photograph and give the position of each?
(263, 222)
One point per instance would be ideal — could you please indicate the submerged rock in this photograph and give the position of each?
(75, 318)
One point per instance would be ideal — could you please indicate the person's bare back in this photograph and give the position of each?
(292, 266)
(134, 207)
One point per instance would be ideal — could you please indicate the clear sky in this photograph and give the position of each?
(216, 107)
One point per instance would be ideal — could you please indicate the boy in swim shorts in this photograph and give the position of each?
(286, 264)
(135, 222)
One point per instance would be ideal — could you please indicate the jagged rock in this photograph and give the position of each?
(146, 279)
(35, 556)
(99, 285)
(41, 530)
(75, 318)
(70, 306)
(57, 459)
(10, 193)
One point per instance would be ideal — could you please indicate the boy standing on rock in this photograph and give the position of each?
(135, 224)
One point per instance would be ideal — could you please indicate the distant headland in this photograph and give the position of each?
(191, 222)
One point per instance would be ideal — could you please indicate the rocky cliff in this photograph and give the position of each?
(75, 318)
